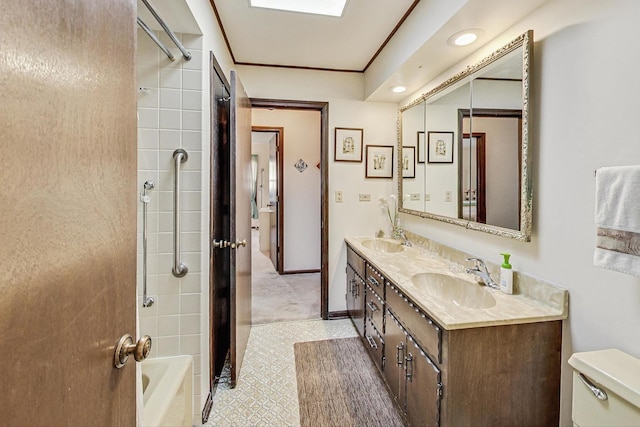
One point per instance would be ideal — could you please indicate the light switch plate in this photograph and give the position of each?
(447, 196)
(414, 196)
(427, 197)
(338, 196)
(365, 197)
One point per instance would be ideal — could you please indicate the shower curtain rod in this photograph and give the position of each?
(172, 36)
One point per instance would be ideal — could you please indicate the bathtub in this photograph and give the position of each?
(167, 391)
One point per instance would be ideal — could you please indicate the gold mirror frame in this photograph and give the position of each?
(524, 41)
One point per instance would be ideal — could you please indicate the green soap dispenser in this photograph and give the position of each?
(506, 275)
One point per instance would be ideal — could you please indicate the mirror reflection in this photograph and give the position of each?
(470, 141)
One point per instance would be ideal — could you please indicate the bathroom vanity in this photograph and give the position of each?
(451, 352)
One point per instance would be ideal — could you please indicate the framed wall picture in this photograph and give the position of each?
(379, 162)
(440, 147)
(408, 162)
(422, 149)
(348, 145)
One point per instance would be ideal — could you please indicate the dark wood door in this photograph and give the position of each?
(220, 222)
(68, 202)
(240, 227)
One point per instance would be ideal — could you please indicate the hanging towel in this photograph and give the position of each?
(618, 219)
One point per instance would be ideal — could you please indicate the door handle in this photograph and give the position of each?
(127, 347)
(242, 243)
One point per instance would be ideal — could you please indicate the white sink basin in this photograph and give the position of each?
(383, 245)
(454, 290)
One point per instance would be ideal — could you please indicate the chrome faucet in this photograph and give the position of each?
(482, 273)
(405, 241)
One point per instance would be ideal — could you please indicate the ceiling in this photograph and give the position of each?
(406, 38)
(348, 43)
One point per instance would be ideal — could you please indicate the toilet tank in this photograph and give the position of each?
(606, 389)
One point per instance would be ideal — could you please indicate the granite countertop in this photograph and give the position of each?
(544, 303)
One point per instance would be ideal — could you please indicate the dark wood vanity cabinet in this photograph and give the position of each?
(493, 376)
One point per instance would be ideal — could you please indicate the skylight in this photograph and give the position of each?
(317, 7)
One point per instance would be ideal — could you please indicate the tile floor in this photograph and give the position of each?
(267, 392)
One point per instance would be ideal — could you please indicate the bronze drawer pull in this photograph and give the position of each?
(373, 281)
(409, 367)
(400, 354)
(372, 306)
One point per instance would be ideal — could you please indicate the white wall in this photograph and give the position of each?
(301, 190)
(584, 107)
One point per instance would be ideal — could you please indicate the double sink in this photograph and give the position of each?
(446, 288)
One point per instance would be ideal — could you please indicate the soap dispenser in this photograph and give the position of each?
(506, 275)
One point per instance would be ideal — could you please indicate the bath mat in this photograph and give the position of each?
(338, 385)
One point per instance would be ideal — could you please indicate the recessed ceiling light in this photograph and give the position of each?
(465, 37)
(398, 89)
(316, 7)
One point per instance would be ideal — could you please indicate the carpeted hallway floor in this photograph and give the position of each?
(281, 298)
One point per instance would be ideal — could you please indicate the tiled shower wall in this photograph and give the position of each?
(170, 117)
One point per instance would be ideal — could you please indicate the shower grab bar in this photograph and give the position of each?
(179, 269)
(167, 30)
(147, 301)
(155, 38)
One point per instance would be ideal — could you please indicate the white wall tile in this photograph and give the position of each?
(168, 284)
(148, 118)
(192, 41)
(169, 119)
(191, 120)
(148, 139)
(192, 140)
(171, 78)
(148, 76)
(189, 324)
(148, 325)
(168, 325)
(168, 304)
(170, 98)
(148, 98)
(196, 61)
(192, 100)
(170, 139)
(191, 181)
(191, 283)
(191, 79)
(168, 346)
(190, 304)
(190, 344)
(147, 160)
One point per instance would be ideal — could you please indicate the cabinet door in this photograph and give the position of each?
(395, 340)
(424, 388)
(355, 299)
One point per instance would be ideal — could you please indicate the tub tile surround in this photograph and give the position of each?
(170, 117)
(533, 300)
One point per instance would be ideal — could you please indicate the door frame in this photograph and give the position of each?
(280, 196)
(323, 108)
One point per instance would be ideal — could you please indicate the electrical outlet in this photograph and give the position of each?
(414, 196)
(338, 196)
(427, 197)
(365, 197)
(447, 196)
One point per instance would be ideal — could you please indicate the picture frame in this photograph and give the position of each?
(348, 145)
(379, 161)
(408, 162)
(439, 147)
(422, 149)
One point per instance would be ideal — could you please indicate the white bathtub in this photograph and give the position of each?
(167, 385)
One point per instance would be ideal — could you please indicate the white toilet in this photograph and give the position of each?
(606, 389)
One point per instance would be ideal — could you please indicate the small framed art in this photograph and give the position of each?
(379, 162)
(348, 145)
(440, 147)
(422, 149)
(408, 162)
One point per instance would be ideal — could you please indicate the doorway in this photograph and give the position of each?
(322, 167)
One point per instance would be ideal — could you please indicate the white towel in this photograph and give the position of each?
(618, 219)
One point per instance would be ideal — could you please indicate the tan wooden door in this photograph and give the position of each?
(240, 224)
(67, 211)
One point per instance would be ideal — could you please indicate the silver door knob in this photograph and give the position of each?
(242, 243)
(126, 347)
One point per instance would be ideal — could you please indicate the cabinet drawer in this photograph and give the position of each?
(418, 324)
(355, 261)
(376, 280)
(374, 343)
(374, 309)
